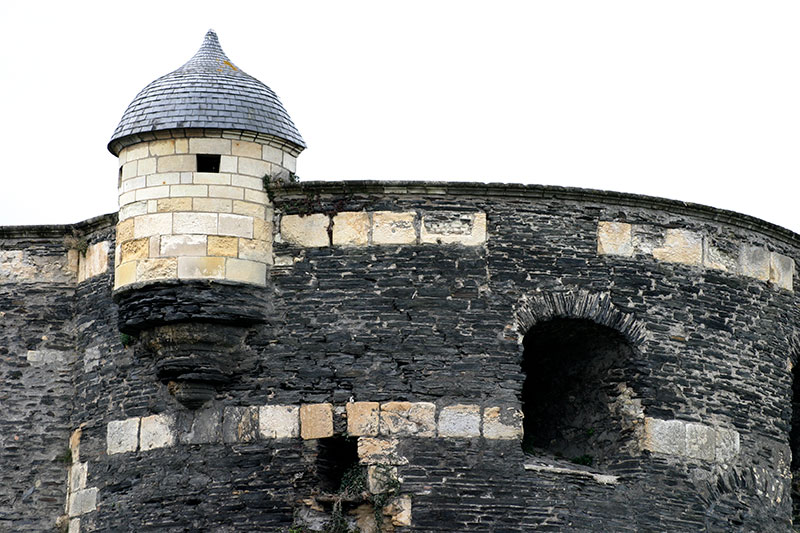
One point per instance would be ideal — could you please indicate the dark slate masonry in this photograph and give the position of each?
(662, 389)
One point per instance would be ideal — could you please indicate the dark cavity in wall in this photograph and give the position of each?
(335, 456)
(575, 371)
(794, 441)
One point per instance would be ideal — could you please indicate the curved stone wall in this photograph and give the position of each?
(394, 318)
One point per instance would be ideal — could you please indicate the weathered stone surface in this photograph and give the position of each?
(309, 231)
(502, 423)
(453, 227)
(49, 356)
(393, 228)
(781, 271)
(614, 238)
(223, 246)
(460, 421)
(700, 441)
(83, 501)
(363, 418)
(122, 436)
(206, 427)
(316, 420)
(156, 431)
(680, 246)
(240, 424)
(665, 436)
(381, 478)
(407, 418)
(77, 476)
(399, 510)
(152, 269)
(375, 451)
(726, 445)
(351, 229)
(754, 262)
(279, 421)
(94, 262)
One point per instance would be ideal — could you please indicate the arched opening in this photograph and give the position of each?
(575, 398)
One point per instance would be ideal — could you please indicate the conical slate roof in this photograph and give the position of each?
(209, 91)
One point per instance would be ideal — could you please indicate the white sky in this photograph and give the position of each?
(692, 100)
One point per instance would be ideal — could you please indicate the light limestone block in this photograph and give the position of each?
(247, 182)
(201, 267)
(665, 436)
(182, 245)
(389, 227)
(262, 229)
(122, 436)
(272, 154)
(132, 184)
(74, 525)
(407, 418)
(177, 163)
(223, 246)
(256, 196)
(125, 274)
(316, 421)
(166, 178)
(460, 421)
(82, 501)
(77, 476)
(95, 261)
(502, 423)
(165, 147)
(754, 262)
(145, 167)
(363, 418)
(351, 229)
(254, 167)
(201, 223)
(781, 271)
(209, 146)
(614, 238)
(279, 421)
(211, 178)
(372, 451)
(174, 204)
(152, 193)
(135, 249)
(289, 162)
(468, 229)
(246, 149)
(380, 478)
(236, 226)
(726, 445)
(246, 271)
(399, 510)
(310, 230)
(255, 250)
(133, 210)
(177, 191)
(127, 198)
(128, 171)
(700, 441)
(181, 146)
(214, 205)
(187, 178)
(48, 356)
(681, 246)
(229, 163)
(156, 432)
(152, 269)
(226, 191)
(156, 224)
(137, 151)
(152, 206)
(249, 209)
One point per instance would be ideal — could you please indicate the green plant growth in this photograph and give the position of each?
(126, 340)
(64, 457)
(76, 242)
(585, 460)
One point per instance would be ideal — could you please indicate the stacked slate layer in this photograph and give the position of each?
(423, 323)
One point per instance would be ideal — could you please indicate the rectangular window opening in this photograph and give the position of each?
(208, 163)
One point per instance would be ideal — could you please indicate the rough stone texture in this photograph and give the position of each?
(407, 418)
(680, 246)
(156, 432)
(460, 421)
(351, 229)
(122, 435)
(311, 230)
(393, 228)
(363, 418)
(316, 421)
(442, 325)
(279, 421)
(614, 238)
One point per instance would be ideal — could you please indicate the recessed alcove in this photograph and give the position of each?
(572, 396)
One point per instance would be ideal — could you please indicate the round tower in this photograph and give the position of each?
(196, 150)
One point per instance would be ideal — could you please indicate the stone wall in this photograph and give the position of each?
(394, 319)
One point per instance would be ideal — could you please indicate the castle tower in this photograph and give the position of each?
(196, 149)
